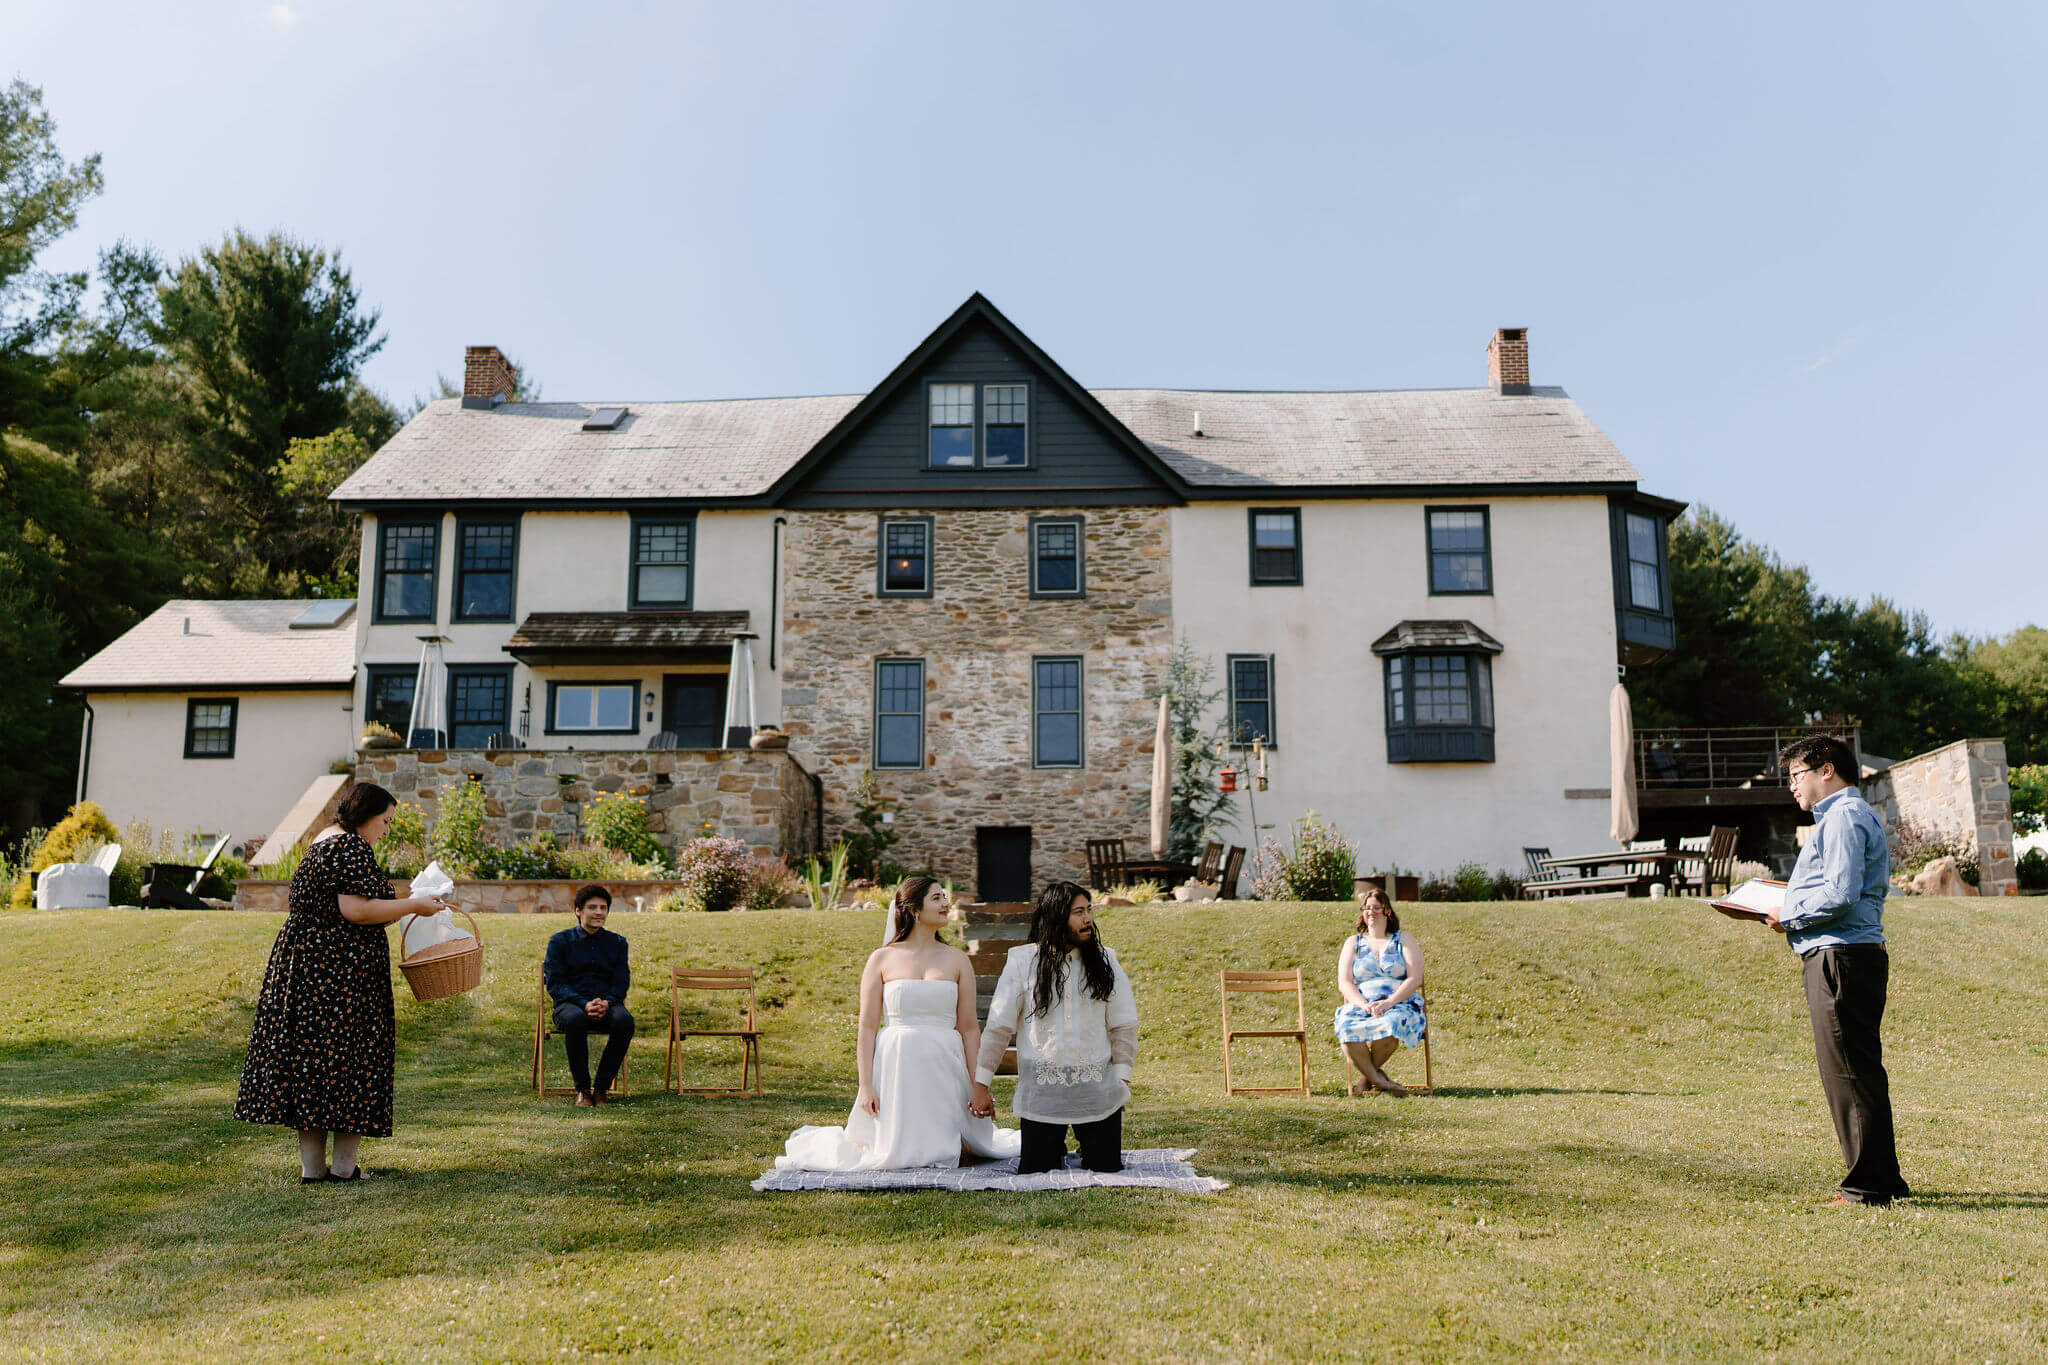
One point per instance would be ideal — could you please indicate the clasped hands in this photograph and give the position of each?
(980, 1102)
(597, 1008)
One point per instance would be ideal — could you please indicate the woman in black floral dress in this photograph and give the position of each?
(320, 1055)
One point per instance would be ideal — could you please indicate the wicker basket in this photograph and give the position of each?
(443, 969)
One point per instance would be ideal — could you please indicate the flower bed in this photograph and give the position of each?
(484, 898)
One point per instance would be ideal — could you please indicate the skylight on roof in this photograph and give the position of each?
(325, 615)
(604, 419)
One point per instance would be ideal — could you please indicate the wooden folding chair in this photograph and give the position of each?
(1212, 862)
(712, 979)
(1720, 859)
(544, 1029)
(1265, 983)
(1226, 890)
(1106, 859)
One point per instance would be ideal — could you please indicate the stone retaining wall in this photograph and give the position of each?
(1958, 788)
(763, 797)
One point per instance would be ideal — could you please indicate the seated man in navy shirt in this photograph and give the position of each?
(587, 978)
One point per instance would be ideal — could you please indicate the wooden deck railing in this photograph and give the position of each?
(1722, 758)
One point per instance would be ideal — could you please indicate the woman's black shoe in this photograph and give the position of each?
(332, 1178)
(320, 1179)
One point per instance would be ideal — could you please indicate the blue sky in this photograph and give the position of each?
(1787, 254)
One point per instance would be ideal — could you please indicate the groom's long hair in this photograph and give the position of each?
(1056, 943)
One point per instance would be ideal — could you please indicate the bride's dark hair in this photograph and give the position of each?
(1055, 941)
(909, 899)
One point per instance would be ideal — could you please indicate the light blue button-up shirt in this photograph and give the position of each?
(1836, 894)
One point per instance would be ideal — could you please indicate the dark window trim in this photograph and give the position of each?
(372, 673)
(1080, 711)
(1251, 533)
(447, 719)
(980, 386)
(512, 594)
(875, 713)
(1080, 525)
(1230, 662)
(639, 519)
(555, 683)
(1402, 736)
(1485, 512)
(1662, 530)
(433, 616)
(192, 705)
(931, 541)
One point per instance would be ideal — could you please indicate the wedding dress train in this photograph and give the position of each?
(920, 1076)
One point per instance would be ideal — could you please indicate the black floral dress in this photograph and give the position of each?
(320, 1055)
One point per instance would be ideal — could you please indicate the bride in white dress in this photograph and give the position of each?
(918, 1039)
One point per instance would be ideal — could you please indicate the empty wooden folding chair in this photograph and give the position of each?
(1211, 864)
(544, 1029)
(1265, 983)
(712, 979)
(1720, 859)
(1106, 859)
(1226, 890)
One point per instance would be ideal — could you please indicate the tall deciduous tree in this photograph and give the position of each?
(40, 195)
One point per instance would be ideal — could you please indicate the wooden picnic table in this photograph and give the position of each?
(1164, 871)
(1643, 868)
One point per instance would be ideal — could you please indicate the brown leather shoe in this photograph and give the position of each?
(584, 1100)
(600, 1097)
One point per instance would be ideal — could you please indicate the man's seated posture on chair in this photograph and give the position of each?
(587, 979)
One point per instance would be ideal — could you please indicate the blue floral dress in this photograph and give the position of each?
(1378, 977)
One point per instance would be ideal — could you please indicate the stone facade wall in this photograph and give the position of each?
(762, 797)
(1960, 787)
(977, 634)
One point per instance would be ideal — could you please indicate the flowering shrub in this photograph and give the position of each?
(619, 822)
(458, 838)
(1320, 867)
(402, 851)
(770, 883)
(1914, 846)
(538, 859)
(715, 874)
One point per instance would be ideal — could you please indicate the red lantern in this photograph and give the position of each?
(1227, 779)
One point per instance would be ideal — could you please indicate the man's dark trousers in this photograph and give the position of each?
(1845, 989)
(576, 1026)
(1045, 1145)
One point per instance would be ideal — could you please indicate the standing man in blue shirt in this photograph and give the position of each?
(1834, 919)
(587, 978)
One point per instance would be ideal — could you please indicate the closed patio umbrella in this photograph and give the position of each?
(1621, 774)
(1162, 782)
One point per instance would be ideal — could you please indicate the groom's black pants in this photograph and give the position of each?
(1045, 1144)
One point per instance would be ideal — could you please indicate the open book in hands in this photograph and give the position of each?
(1755, 899)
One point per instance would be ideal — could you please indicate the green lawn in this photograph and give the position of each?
(1628, 1155)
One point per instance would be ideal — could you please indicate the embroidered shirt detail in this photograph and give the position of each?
(1055, 1073)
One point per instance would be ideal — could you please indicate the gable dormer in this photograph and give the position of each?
(979, 416)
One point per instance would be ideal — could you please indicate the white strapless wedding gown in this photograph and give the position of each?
(921, 1079)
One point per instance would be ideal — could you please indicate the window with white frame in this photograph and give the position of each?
(1005, 426)
(952, 426)
(592, 707)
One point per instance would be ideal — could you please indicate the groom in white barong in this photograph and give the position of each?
(1068, 1004)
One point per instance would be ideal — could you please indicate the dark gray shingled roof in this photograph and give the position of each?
(624, 631)
(737, 448)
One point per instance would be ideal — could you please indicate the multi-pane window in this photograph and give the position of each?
(1645, 576)
(906, 556)
(952, 426)
(899, 713)
(1056, 556)
(593, 707)
(1460, 555)
(1251, 698)
(1056, 713)
(1005, 443)
(485, 554)
(389, 702)
(210, 727)
(407, 552)
(661, 562)
(1276, 546)
(479, 705)
(1439, 708)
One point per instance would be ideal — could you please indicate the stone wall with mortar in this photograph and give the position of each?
(977, 633)
(1958, 788)
(762, 797)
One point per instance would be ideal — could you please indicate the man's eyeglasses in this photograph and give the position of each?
(1792, 775)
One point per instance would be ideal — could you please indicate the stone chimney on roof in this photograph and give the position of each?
(1507, 360)
(487, 377)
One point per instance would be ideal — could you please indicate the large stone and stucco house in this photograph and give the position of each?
(968, 581)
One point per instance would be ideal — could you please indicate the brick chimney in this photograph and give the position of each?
(1507, 360)
(487, 377)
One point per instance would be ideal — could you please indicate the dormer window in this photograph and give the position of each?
(978, 426)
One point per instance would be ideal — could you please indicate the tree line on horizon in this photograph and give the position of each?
(173, 428)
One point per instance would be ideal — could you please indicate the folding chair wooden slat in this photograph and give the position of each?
(1106, 859)
(712, 979)
(1226, 890)
(544, 1029)
(1265, 983)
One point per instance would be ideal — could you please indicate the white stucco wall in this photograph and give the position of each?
(580, 561)
(1552, 609)
(283, 740)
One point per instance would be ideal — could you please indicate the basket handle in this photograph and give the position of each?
(475, 930)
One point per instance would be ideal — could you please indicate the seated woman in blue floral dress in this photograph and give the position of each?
(1379, 974)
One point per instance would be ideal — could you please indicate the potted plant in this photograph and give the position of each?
(769, 737)
(377, 735)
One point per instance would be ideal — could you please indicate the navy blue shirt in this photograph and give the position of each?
(582, 966)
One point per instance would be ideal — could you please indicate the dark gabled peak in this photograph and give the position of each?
(604, 419)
